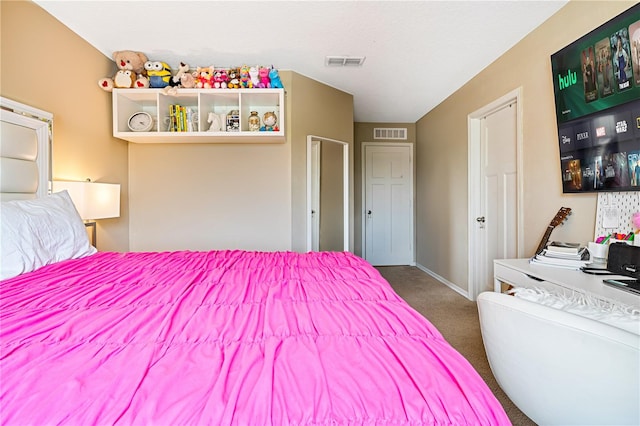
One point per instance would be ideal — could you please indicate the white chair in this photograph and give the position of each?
(560, 368)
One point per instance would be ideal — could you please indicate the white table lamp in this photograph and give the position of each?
(93, 200)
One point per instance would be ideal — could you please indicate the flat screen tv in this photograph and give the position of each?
(596, 82)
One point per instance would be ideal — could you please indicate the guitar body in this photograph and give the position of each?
(558, 219)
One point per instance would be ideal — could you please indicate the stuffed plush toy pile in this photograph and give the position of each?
(131, 72)
(136, 71)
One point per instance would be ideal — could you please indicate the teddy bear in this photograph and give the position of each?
(126, 60)
(142, 82)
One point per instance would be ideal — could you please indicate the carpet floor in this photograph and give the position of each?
(456, 318)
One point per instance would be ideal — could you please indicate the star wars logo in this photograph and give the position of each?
(621, 126)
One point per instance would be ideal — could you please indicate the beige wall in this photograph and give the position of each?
(209, 196)
(363, 132)
(318, 110)
(442, 147)
(226, 196)
(47, 66)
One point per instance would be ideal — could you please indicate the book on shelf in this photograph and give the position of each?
(178, 118)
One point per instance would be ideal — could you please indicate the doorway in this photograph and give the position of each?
(387, 200)
(327, 194)
(495, 188)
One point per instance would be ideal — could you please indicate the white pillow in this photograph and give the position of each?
(40, 232)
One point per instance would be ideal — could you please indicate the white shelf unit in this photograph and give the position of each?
(220, 101)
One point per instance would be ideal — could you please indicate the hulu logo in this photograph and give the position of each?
(570, 79)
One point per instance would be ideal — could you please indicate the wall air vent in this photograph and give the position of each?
(395, 133)
(344, 61)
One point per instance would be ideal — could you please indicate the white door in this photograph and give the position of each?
(388, 204)
(498, 219)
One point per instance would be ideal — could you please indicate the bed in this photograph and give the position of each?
(224, 337)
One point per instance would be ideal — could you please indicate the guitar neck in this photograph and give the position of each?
(558, 219)
(545, 239)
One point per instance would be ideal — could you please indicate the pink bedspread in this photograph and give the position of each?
(226, 337)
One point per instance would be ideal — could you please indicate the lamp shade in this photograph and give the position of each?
(92, 200)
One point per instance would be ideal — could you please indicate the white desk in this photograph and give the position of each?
(520, 273)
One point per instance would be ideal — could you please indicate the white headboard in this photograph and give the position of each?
(25, 151)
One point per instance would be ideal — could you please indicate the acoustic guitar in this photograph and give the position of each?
(558, 219)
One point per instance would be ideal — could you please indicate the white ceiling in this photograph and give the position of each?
(417, 52)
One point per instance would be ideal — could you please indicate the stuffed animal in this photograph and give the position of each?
(182, 69)
(142, 82)
(187, 81)
(253, 74)
(124, 79)
(234, 80)
(274, 77)
(245, 79)
(263, 75)
(159, 73)
(125, 60)
(176, 81)
(204, 77)
(220, 79)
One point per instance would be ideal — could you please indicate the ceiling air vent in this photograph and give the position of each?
(344, 61)
(395, 133)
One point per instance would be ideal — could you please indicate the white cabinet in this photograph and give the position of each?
(200, 103)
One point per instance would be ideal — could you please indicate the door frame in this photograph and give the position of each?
(345, 188)
(475, 183)
(363, 179)
(314, 193)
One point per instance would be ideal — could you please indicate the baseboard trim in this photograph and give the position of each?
(444, 281)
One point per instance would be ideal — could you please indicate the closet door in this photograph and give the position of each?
(388, 204)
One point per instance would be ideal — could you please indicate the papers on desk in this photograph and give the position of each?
(558, 259)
